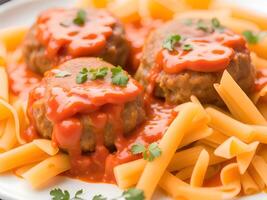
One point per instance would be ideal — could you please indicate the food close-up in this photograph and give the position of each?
(133, 99)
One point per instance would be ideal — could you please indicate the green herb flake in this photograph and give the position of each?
(65, 24)
(133, 194)
(202, 26)
(98, 73)
(170, 41)
(62, 74)
(187, 47)
(154, 151)
(150, 153)
(77, 195)
(215, 23)
(80, 18)
(138, 148)
(58, 194)
(82, 76)
(99, 197)
(119, 77)
(254, 38)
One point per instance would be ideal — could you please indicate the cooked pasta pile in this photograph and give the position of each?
(203, 141)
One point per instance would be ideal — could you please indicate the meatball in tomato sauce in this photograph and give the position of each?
(62, 34)
(86, 103)
(186, 57)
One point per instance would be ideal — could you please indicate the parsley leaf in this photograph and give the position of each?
(58, 194)
(150, 153)
(254, 38)
(98, 73)
(82, 76)
(119, 77)
(133, 194)
(154, 151)
(138, 148)
(215, 23)
(80, 18)
(187, 47)
(62, 74)
(77, 194)
(202, 26)
(170, 41)
(99, 197)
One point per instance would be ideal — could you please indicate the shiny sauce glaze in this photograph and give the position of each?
(65, 39)
(101, 102)
(136, 33)
(211, 50)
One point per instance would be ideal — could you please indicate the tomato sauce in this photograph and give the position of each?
(210, 52)
(65, 39)
(136, 33)
(261, 79)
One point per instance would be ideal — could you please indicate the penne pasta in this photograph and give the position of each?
(248, 184)
(238, 102)
(47, 169)
(3, 84)
(261, 167)
(26, 154)
(168, 144)
(200, 169)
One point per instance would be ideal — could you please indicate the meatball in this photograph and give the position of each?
(194, 78)
(105, 111)
(62, 34)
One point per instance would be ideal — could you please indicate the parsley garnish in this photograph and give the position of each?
(62, 74)
(119, 77)
(150, 153)
(82, 76)
(170, 41)
(58, 194)
(254, 38)
(80, 18)
(98, 73)
(187, 47)
(99, 197)
(202, 26)
(133, 194)
(215, 23)
(130, 194)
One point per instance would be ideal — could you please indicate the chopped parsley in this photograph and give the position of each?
(62, 74)
(99, 197)
(170, 41)
(98, 73)
(133, 194)
(58, 194)
(150, 153)
(80, 18)
(202, 26)
(82, 76)
(187, 47)
(215, 23)
(119, 77)
(130, 194)
(254, 38)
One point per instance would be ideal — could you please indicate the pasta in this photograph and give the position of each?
(26, 154)
(238, 102)
(200, 169)
(248, 184)
(47, 169)
(169, 143)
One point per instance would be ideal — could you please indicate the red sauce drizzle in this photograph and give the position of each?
(210, 53)
(71, 40)
(261, 79)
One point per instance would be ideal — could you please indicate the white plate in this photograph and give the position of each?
(23, 12)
